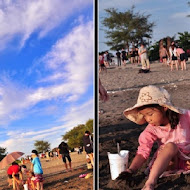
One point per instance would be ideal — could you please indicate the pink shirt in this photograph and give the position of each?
(180, 136)
(179, 51)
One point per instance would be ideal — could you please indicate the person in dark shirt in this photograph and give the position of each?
(88, 146)
(63, 152)
(124, 56)
(118, 54)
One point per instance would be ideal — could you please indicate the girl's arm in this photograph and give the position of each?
(137, 163)
(31, 167)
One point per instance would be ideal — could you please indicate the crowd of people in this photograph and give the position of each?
(32, 179)
(175, 56)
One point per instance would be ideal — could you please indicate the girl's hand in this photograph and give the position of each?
(126, 176)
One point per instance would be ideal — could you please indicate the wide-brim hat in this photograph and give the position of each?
(149, 95)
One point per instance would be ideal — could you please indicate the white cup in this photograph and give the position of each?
(118, 163)
(25, 186)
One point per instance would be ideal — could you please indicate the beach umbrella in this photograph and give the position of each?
(10, 158)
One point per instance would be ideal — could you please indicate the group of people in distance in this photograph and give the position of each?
(104, 61)
(32, 179)
(136, 55)
(176, 56)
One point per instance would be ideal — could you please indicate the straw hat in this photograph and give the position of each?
(149, 95)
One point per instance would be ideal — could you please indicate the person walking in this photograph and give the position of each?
(63, 152)
(88, 146)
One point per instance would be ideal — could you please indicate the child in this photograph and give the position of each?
(14, 175)
(37, 168)
(168, 126)
(30, 178)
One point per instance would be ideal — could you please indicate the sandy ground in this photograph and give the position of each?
(123, 85)
(55, 176)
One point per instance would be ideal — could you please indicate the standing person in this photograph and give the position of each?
(88, 146)
(105, 55)
(63, 152)
(144, 57)
(173, 56)
(163, 55)
(37, 169)
(118, 54)
(102, 67)
(124, 56)
(168, 126)
(137, 56)
(132, 54)
(182, 56)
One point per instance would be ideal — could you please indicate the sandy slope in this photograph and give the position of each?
(123, 85)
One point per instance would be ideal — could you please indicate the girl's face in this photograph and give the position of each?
(155, 116)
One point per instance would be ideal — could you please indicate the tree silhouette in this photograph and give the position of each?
(74, 137)
(42, 146)
(126, 28)
(184, 40)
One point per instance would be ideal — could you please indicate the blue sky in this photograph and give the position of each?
(46, 70)
(170, 16)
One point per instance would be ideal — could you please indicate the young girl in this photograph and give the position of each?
(37, 168)
(168, 126)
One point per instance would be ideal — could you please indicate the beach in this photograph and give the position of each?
(123, 85)
(55, 176)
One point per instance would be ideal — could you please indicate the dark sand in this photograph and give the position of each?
(125, 82)
(55, 176)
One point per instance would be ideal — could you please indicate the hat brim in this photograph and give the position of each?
(134, 115)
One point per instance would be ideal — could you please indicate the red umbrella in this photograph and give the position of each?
(10, 158)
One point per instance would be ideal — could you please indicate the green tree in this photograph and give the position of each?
(2, 153)
(42, 146)
(184, 40)
(74, 137)
(126, 28)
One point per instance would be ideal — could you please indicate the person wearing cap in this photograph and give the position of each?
(88, 146)
(169, 126)
(37, 169)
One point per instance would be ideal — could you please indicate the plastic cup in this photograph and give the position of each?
(25, 186)
(118, 163)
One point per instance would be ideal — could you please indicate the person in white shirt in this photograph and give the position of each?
(144, 57)
(173, 56)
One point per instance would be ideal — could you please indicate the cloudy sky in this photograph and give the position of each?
(170, 16)
(46, 70)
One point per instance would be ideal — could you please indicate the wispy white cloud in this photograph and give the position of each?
(180, 15)
(19, 19)
(24, 141)
(73, 55)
